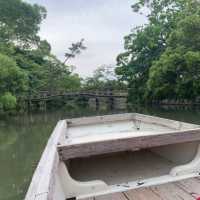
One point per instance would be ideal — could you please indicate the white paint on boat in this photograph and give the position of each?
(123, 129)
(92, 156)
(120, 168)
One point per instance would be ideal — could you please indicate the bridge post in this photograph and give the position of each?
(111, 103)
(97, 103)
(42, 105)
(111, 100)
(29, 104)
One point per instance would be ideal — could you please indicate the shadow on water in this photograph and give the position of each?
(23, 138)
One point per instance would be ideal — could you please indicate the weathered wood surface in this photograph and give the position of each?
(178, 125)
(68, 151)
(183, 190)
(99, 119)
(179, 132)
(42, 184)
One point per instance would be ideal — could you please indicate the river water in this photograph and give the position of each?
(23, 138)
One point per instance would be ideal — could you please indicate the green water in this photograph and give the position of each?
(22, 140)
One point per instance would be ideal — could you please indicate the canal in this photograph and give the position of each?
(23, 138)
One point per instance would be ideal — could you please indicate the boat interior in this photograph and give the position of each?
(123, 167)
(90, 173)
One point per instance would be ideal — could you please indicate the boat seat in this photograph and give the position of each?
(127, 142)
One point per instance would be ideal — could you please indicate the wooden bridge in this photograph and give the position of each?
(90, 94)
(94, 98)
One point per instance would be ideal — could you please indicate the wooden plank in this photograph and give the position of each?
(191, 186)
(187, 189)
(198, 178)
(171, 192)
(142, 194)
(116, 196)
(125, 144)
(183, 190)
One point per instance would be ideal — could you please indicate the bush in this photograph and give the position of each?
(8, 101)
(12, 78)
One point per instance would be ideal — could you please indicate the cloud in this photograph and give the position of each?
(102, 23)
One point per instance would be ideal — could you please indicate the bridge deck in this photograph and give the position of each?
(183, 190)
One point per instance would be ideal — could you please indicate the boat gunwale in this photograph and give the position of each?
(73, 122)
(43, 179)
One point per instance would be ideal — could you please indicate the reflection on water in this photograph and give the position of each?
(22, 140)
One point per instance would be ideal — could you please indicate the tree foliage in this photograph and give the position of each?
(27, 65)
(170, 30)
(20, 21)
(74, 50)
(12, 78)
(176, 74)
(104, 78)
(8, 102)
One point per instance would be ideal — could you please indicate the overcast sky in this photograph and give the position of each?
(102, 23)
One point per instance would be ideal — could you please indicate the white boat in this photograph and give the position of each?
(93, 156)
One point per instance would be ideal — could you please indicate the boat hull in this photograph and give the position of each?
(87, 157)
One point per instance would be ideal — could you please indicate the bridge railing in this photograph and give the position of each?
(47, 94)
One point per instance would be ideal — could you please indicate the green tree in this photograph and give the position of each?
(176, 75)
(58, 76)
(20, 22)
(104, 78)
(70, 83)
(13, 83)
(8, 102)
(147, 43)
(12, 78)
(74, 50)
(27, 65)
